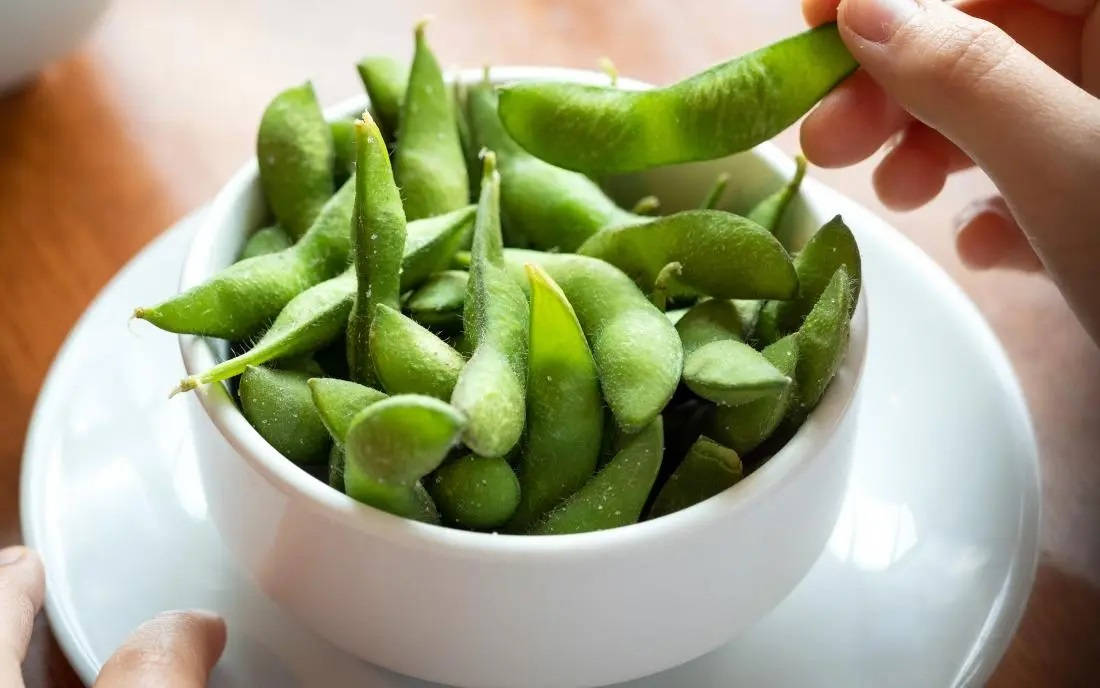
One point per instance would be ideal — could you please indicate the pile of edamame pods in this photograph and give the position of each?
(451, 319)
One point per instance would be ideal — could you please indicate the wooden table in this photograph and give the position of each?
(152, 115)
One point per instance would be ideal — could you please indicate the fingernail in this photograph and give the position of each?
(876, 20)
(10, 555)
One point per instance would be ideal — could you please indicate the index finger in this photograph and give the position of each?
(172, 650)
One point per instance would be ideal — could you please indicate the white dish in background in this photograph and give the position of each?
(922, 583)
(591, 608)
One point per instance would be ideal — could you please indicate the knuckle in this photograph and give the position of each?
(965, 54)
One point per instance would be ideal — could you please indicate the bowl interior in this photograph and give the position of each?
(239, 209)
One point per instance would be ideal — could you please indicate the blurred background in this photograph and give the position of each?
(158, 105)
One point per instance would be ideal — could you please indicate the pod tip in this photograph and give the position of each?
(185, 385)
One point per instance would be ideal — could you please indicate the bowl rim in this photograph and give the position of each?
(295, 482)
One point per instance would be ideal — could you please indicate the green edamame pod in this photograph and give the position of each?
(744, 427)
(378, 242)
(399, 440)
(769, 212)
(731, 372)
(295, 154)
(412, 502)
(710, 320)
(470, 147)
(409, 359)
(336, 467)
(279, 405)
(243, 298)
(674, 316)
(564, 408)
(722, 254)
(615, 496)
(343, 144)
(429, 164)
(822, 342)
(490, 389)
(636, 349)
(385, 80)
(726, 109)
(339, 401)
(264, 241)
(749, 309)
(707, 469)
(832, 247)
(715, 193)
(542, 206)
(318, 315)
(438, 302)
(475, 492)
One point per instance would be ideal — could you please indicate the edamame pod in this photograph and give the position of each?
(637, 350)
(710, 320)
(264, 241)
(714, 195)
(542, 206)
(726, 109)
(564, 408)
(279, 405)
(295, 154)
(339, 401)
(378, 242)
(429, 164)
(409, 359)
(832, 247)
(723, 255)
(438, 302)
(336, 467)
(744, 427)
(769, 212)
(730, 372)
(475, 492)
(615, 496)
(490, 389)
(707, 469)
(343, 144)
(385, 80)
(318, 315)
(399, 440)
(822, 342)
(243, 298)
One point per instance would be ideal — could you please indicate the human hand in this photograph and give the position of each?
(172, 650)
(1005, 84)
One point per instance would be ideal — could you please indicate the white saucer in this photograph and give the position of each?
(922, 584)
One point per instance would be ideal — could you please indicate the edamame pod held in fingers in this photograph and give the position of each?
(726, 109)
(378, 242)
(490, 389)
(245, 297)
(385, 80)
(429, 163)
(542, 206)
(721, 254)
(707, 469)
(409, 359)
(637, 351)
(564, 407)
(616, 495)
(295, 153)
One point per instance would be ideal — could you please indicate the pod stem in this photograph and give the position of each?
(647, 205)
(186, 385)
(608, 67)
(717, 190)
(661, 284)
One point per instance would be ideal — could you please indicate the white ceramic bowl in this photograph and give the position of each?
(476, 609)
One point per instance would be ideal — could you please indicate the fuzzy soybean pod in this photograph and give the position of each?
(831, 247)
(409, 359)
(279, 405)
(264, 241)
(721, 254)
(314, 318)
(343, 143)
(564, 407)
(245, 297)
(769, 212)
(822, 342)
(730, 372)
(490, 390)
(637, 351)
(542, 206)
(429, 163)
(378, 243)
(294, 150)
(744, 427)
(616, 495)
(338, 402)
(707, 469)
(726, 109)
(709, 321)
(385, 79)
(475, 492)
(438, 301)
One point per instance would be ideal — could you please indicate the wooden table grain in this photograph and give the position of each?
(152, 114)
